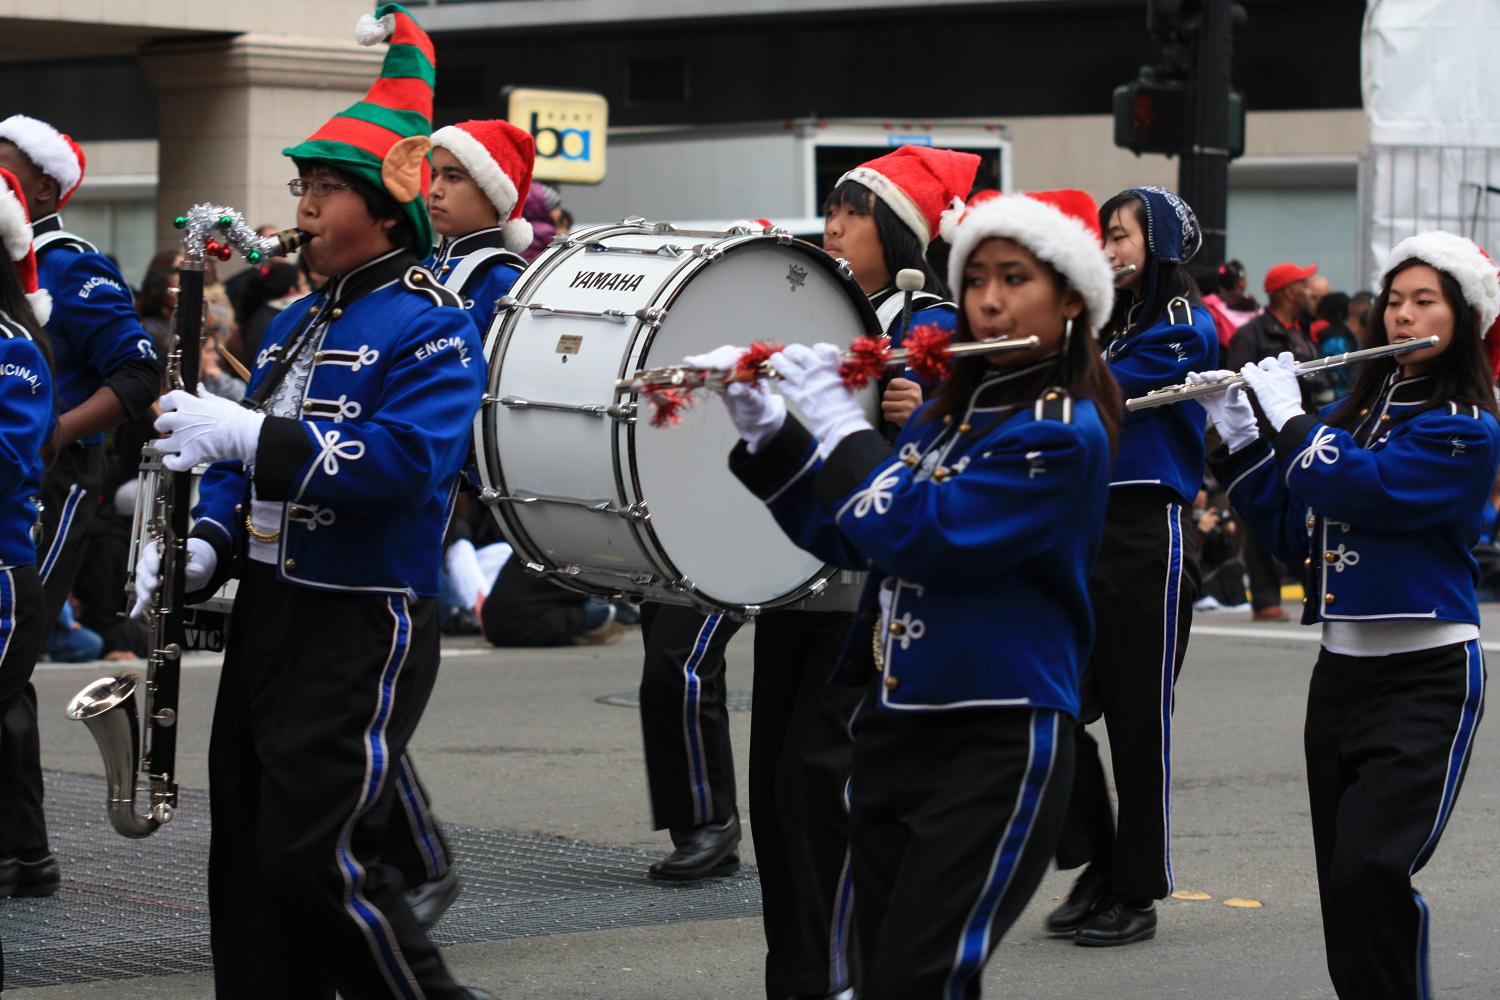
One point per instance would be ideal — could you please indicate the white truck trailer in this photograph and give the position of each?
(780, 171)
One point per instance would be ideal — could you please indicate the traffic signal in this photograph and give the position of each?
(1150, 116)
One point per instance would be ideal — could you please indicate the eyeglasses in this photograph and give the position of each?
(319, 189)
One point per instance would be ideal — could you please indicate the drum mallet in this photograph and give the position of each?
(909, 280)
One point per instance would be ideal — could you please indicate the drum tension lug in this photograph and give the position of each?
(651, 316)
(535, 569)
(636, 512)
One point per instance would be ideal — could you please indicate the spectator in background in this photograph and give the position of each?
(539, 215)
(1223, 587)
(563, 220)
(1359, 317)
(70, 642)
(525, 610)
(157, 299)
(1229, 298)
(100, 587)
(1267, 335)
(266, 291)
(219, 329)
(1335, 337)
(1317, 287)
(234, 285)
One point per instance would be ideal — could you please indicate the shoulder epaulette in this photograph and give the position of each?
(12, 330)
(1054, 404)
(1454, 410)
(1180, 311)
(418, 279)
(67, 241)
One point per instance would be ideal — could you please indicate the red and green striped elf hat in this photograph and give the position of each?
(385, 138)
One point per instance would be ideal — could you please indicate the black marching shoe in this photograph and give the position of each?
(1074, 911)
(430, 900)
(710, 849)
(36, 878)
(1117, 921)
(10, 872)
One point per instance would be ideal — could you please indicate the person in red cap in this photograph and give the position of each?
(1275, 330)
(26, 421)
(978, 527)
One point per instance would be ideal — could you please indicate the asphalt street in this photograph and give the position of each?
(520, 741)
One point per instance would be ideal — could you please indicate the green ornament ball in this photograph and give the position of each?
(180, 222)
(225, 221)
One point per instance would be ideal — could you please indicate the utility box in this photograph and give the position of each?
(774, 170)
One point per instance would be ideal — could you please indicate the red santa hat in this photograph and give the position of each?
(54, 153)
(499, 156)
(1059, 227)
(918, 183)
(15, 236)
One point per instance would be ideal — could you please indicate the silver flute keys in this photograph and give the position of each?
(1178, 393)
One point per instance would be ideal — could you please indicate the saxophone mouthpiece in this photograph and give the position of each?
(285, 242)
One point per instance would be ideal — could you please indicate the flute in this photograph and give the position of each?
(1177, 393)
(680, 377)
(1123, 270)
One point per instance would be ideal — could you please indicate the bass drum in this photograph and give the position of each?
(585, 489)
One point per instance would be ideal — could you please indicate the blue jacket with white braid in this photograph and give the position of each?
(368, 475)
(25, 423)
(1382, 521)
(987, 527)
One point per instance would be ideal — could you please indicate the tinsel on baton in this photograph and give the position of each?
(867, 357)
(759, 353)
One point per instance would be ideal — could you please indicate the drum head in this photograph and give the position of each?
(714, 531)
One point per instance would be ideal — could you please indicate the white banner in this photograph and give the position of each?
(1430, 75)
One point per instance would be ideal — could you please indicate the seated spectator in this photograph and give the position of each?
(1223, 587)
(526, 610)
(70, 642)
(100, 587)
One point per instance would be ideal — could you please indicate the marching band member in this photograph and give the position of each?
(1380, 498)
(481, 171)
(329, 496)
(481, 174)
(26, 422)
(978, 530)
(1146, 581)
(106, 371)
(880, 217)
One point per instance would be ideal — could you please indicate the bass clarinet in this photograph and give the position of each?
(108, 706)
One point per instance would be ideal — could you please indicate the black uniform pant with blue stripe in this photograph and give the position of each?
(954, 817)
(1388, 739)
(1142, 590)
(319, 695)
(70, 495)
(684, 716)
(23, 627)
(801, 750)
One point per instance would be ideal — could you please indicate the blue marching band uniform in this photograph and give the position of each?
(479, 269)
(968, 641)
(1382, 520)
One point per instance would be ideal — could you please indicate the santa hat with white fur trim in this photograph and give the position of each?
(54, 153)
(15, 235)
(1460, 258)
(1059, 227)
(918, 183)
(499, 156)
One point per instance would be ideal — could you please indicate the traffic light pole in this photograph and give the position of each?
(1203, 173)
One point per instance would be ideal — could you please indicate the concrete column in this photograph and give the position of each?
(229, 106)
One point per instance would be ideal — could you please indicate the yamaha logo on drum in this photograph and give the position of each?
(607, 281)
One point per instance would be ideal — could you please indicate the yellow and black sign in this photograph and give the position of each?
(569, 127)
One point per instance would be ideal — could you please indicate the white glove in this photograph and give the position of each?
(202, 560)
(810, 379)
(205, 428)
(1229, 410)
(1274, 382)
(757, 412)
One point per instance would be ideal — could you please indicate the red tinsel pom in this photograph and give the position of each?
(667, 406)
(866, 361)
(927, 352)
(759, 353)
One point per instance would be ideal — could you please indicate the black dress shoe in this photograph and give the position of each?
(10, 872)
(1071, 914)
(37, 878)
(1117, 921)
(711, 849)
(430, 900)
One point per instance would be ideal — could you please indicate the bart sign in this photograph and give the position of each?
(569, 127)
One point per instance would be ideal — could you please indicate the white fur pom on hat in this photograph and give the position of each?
(54, 153)
(499, 157)
(1059, 227)
(15, 237)
(1463, 260)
